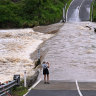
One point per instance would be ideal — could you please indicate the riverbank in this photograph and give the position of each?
(49, 29)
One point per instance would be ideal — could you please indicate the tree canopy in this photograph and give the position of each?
(30, 13)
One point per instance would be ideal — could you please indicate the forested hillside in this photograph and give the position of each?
(30, 13)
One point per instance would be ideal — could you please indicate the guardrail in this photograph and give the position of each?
(5, 88)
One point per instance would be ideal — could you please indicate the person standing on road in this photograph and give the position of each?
(45, 66)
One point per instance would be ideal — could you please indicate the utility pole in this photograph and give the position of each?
(92, 13)
(92, 10)
(64, 13)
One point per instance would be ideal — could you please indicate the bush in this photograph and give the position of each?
(8, 18)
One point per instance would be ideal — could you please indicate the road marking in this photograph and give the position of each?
(81, 4)
(68, 9)
(78, 89)
(77, 7)
(33, 86)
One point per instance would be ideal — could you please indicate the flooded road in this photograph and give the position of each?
(72, 52)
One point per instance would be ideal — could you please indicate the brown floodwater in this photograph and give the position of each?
(16, 45)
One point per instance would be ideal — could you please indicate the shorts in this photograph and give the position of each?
(45, 71)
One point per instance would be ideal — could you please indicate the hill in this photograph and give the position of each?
(30, 13)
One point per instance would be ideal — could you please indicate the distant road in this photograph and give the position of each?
(79, 10)
(84, 11)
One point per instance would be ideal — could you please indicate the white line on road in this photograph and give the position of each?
(81, 4)
(36, 84)
(33, 86)
(77, 7)
(68, 9)
(78, 89)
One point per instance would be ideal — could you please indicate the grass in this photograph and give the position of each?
(19, 91)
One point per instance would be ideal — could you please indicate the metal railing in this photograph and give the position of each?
(5, 88)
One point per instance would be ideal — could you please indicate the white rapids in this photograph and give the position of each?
(16, 45)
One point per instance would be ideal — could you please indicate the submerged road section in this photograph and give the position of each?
(72, 52)
(79, 10)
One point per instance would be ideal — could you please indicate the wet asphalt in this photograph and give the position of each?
(60, 93)
(84, 11)
(72, 8)
(83, 8)
(53, 93)
(63, 88)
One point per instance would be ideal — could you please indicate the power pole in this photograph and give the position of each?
(92, 13)
(92, 10)
(64, 13)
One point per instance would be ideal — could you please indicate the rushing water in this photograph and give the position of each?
(72, 52)
(75, 16)
(15, 48)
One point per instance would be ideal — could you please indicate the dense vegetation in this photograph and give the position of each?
(94, 12)
(30, 13)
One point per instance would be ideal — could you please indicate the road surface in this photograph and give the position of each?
(79, 10)
(64, 88)
(84, 11)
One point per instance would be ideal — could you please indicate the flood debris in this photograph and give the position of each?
(95, 30)
(89, 27)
